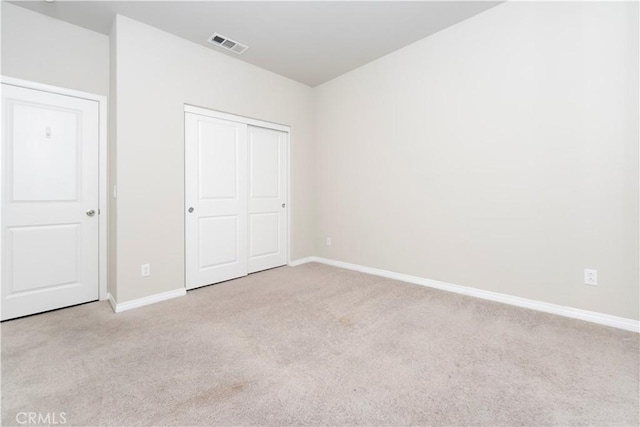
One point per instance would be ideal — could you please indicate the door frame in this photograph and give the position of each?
(251, 122)
(102, 173)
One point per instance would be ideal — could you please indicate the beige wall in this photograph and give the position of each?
(500, 153)
(157, 73)
(42, 49)
(112, 164)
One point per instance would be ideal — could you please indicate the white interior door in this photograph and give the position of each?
(216, 202)
(267, 198)
(50, 175)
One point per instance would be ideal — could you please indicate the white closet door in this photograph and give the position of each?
(49, 201)
(216, 201)
(267, 198)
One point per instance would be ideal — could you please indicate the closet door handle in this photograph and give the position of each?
(191, 210)
(284, 204)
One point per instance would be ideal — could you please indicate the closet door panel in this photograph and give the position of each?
(216, 200)
(267, 198)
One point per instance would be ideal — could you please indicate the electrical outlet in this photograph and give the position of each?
(328, 241)
(145, 270)
(590, 277)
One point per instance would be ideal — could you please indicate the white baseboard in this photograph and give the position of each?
(112, 302)
(141, 302)
(561, 310)
(296, 262)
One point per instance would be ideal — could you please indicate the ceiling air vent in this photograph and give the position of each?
(227, 43)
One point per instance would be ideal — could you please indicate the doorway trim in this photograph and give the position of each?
(258, 123)
(102, 173)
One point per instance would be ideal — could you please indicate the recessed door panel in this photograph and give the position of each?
(264, 230)
(43, 256)
(267, 198)
(218, 229)
(264, 167)
(217, 160)
(50, 182)
(44, 144)
(216, 202)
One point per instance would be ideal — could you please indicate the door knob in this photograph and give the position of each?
(284, 204)
(91, 212)
(191, 210)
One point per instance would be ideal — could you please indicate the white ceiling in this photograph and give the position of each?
(308, 41)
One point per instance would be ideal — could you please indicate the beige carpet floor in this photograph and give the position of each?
(317, 345)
